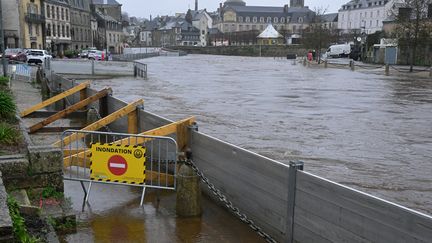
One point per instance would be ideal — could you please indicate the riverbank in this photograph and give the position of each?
(250, 50)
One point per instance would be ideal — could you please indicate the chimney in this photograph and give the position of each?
(286, 8)
(196, 5)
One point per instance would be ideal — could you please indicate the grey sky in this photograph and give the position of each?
(143, 8)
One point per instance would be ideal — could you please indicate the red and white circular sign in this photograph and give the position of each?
(117, 165)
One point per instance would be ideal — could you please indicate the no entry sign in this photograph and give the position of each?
(118, 163)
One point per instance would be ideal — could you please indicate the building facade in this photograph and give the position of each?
(11, 23)
(203, 22)
(236, 16)
(110, 33)
(57, 26)
(32, 24)
(81, 36)
(365, 16)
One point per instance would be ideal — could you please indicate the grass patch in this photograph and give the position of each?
(7, 106)
(20, 231)
(4, 81)
(64, 225)
(9, 135)
(51, 192)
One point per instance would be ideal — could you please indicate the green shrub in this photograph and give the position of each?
(19, 228)
(51, 192)
(4, 81)
(8, 134)
(70, 53)
(7, 105)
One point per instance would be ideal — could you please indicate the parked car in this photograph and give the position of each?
(16, 55)
(96, 55)
(37, 56)
(84, 54)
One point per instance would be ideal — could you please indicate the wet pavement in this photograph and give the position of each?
(114, 215)
(361, 129)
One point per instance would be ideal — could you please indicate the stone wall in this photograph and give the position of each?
(252, 50)
(42, 167)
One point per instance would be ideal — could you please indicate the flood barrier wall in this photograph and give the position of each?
(289, 204)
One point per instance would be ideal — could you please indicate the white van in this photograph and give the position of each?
(343, 50)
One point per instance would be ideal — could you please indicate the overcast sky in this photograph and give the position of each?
(143, 8)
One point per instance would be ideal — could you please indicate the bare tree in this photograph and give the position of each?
(318, 36)
(413, 26)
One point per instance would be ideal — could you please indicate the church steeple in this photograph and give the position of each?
(196, 5)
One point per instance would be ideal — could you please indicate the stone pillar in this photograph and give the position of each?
(188, 203)
(352, 66)
(325, 64)
(387, 69)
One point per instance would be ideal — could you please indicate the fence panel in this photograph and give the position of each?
(159, 156)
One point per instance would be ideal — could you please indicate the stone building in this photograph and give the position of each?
(11, 23)
(32, 24)
(58, 27)
(365, 15)
(80, 24)
(110, 33)
(236, 16)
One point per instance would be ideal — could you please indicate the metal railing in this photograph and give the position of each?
(160, 159)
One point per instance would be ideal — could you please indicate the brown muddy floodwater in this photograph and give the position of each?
(361, 129)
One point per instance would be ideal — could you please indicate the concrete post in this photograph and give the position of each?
(93, 66)
(352, 66)
(135, 71)
(325, 64)
(387, 69)
(188, 201)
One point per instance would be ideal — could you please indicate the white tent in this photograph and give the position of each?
(270, 33)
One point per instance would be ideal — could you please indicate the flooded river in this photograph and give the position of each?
(364, 130)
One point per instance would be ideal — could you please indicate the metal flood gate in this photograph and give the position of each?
(127, 156)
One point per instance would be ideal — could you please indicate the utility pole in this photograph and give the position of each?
(2, 42)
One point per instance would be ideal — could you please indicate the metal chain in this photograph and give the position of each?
(100, 117)
(229, 204)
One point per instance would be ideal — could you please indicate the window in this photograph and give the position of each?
(371, 14)
(240, 19)
(48, 11)
(282, 20)
(37, 29)
(67, 15)
(300, 20)
(30, 27)
(275, 20)
(63, 31)
(67, 31)
(52, 12)
(110, 38)
(62, 14)
(247, 19)
(262, 19)
(378, 13)
(48, 31)
(377, 23)
(58, 30)
(255, 19)
(58, 13)
(268, 19)
(54, 30)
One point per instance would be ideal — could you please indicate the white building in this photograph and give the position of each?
(202, 21)
(365, 15)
